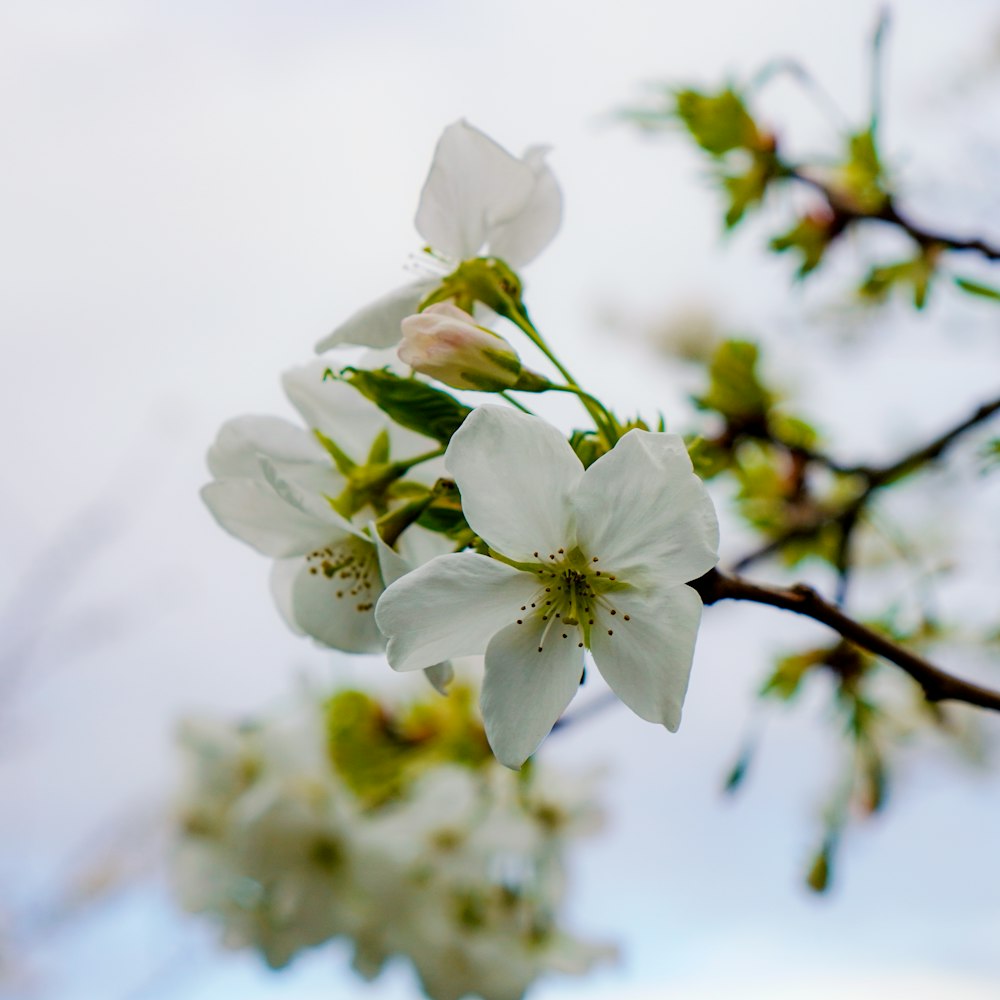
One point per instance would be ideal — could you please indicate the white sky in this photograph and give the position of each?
(194, 192)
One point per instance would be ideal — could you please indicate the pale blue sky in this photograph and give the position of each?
(195, 192)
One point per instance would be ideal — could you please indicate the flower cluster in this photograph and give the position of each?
(521, 545)
(394, 829)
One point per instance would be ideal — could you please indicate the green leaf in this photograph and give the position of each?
(708, 458)
(719, 123)
(379, 752)
(809, 237)
(378, 454)
(747, 189)
(409, 402)
(739, 770)
(977, 288)
(444, 513)
(821, 869)
(734, 389)
(991, 455)
(790, 671)
(861, 181)
(344, 463)
(588, 446)
(917, 273)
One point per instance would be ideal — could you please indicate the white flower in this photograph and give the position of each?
(477, 199)
(445, 343)
(456, 868)
(276, 487)
(593, 559)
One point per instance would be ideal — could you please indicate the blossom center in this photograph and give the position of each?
(574, 597)
(352, 564)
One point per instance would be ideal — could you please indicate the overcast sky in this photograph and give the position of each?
(195, 191)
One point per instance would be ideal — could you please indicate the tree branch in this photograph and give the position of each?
(937, 684)
(889, 213)
(876, 477)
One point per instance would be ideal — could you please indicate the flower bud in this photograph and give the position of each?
(444, 342)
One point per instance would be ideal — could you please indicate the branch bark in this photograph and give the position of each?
(889, 213)
(937, 684)
(876, 478)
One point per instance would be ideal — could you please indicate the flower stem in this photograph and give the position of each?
(409, 463)
(513, 402)
(603, 420)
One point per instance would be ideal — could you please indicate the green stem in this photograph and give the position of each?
(409, 463)
(517, 406)
(602, 418)
(598, 412)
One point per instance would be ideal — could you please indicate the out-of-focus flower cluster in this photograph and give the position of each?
(396, 829)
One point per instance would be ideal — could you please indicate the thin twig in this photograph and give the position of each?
(937, 684)
(876, 478)
(845, 213)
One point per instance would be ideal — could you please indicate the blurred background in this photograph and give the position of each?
(193, 194)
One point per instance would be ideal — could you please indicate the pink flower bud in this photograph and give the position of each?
(444, 342)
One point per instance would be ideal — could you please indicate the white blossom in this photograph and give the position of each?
(477, 199)
(458, 868)
(278, 487)
(584, 560)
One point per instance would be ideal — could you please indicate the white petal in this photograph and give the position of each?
(283, 574)
(298, 488)
(353, 422)
(394, 567)
(418, 545)
(346, 621)
(647, 661)
(524, 690)
(333, 407)
(440, 676)
(377, 324)
(449, 607)
(255, 514)
(640, 509)
(520, 239)
(242, 439)
(473, 185)
(516, 474)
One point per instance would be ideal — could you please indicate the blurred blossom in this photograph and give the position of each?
(394, 828)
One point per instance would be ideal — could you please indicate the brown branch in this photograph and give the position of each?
(876, 477)
(845, 214)
(937, 684)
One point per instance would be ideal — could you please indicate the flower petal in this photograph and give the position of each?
(640, 508)
(283, 574)
(449, 607)
(394, 567)
(520, 239)
(242, 439)
(440, 676)
(332, 611)
(473, 185)
(353, 422)
(255, 514)
(647, 661)
(516, 474)
(377, 324)
(300, 492)
(526, 689)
